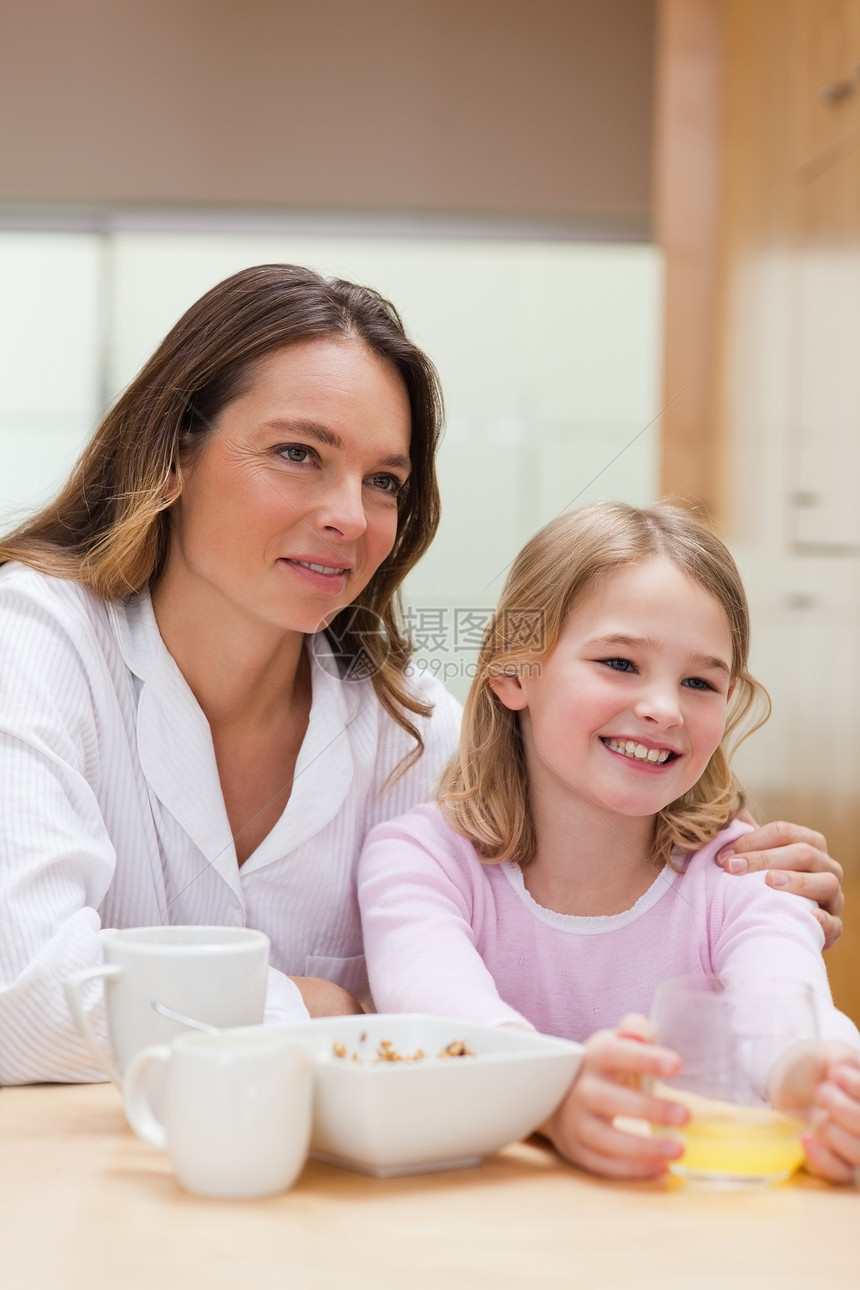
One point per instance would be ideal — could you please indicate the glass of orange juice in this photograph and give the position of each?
(729, 1033)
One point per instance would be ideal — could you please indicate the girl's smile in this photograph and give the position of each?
(646, 754)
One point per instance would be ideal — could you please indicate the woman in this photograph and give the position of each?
(203, 701)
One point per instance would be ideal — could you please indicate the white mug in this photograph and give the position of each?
(237, 1116)
(215, 975)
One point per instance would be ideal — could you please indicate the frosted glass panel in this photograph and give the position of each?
(548, 353)
(49, 362)
(49, 322)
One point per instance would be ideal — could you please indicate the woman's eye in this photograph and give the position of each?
(619, 664)
(295, 452)
(387, 484)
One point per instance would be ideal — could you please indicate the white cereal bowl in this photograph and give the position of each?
(389, 1118)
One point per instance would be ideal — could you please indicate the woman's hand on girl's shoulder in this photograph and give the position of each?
(797, 861)
(610, 1084)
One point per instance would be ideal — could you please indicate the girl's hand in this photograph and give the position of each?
(798, 862)
(608, 1085)
(824, 1079)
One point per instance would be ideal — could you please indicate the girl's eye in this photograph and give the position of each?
(387, 484)
(619, 664)
(697, 683)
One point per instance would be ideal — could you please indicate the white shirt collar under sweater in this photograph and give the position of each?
(665, 880)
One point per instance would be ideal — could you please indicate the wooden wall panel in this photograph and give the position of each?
(688, 108)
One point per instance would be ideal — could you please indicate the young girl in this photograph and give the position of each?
(568, 867)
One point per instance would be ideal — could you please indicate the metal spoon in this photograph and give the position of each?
(163, 1011)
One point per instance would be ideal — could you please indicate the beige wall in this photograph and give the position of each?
(512, 107)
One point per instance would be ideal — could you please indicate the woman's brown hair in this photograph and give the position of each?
(110, 526)
(484, 792)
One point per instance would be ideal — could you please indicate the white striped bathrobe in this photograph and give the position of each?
(111, 813)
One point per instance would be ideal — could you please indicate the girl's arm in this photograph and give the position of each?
(762, 932)
(796, 861)
(755, 931)
(419, 890)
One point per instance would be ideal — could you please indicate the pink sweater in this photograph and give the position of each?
(447, 934)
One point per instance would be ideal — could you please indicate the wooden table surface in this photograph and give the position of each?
(84, 1205)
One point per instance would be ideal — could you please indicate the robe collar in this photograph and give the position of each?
(178, 758)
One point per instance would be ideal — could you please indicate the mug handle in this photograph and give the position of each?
(73, 984)
(138, 1108)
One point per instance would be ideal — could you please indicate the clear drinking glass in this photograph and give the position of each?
(729, 1033)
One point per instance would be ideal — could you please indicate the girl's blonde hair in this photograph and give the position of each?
(484, 791)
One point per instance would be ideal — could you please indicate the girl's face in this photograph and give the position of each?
(291, 506)
(630, 706)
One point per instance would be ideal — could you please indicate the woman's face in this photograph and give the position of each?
(291, 505)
